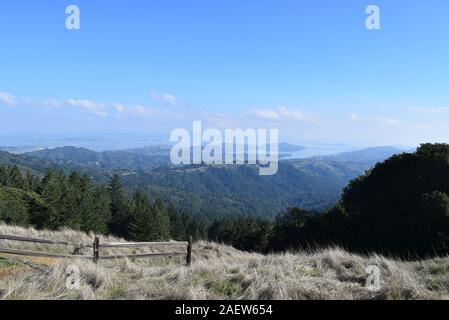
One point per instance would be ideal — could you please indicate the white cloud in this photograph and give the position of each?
(266, 114)
(219, 120)
(292, 114)
(50, 102)
(144, 111)
(166, 98)
(8, 98)
(282, 114)
(120, 108)
(382, 121)
(93, 107)
(388, 121)
(295, 123)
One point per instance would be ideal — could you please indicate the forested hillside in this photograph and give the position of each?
(107, 161)
(209, 192)
(216, 191)
(59, 200)
(24, 162)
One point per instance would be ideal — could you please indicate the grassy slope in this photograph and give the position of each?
(218, 272)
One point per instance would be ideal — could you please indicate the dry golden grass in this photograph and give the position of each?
(221, 272)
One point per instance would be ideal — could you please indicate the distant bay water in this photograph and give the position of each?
(27, 143)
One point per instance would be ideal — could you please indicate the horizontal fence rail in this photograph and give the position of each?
(144, 244)
(144, 255)
(44, 241)
(96, 249)
(41, 254)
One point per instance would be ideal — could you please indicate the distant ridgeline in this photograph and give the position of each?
(400, 206)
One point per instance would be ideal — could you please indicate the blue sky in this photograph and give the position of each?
(307, 67)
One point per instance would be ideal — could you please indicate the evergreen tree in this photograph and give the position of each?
(290, 229)
(31, 182)
(224, 230)
(51, 192)
(73, 200)
(162, 220)
(120, 209)
(13, 206)
(87, 206)
(4, 176)
(98, 221)
(143, 226)
(177, 226)
(16, 178)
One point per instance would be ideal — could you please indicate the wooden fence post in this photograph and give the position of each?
(96, 249)
(189, 251)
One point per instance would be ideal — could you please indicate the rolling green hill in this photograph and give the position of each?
(107, 161)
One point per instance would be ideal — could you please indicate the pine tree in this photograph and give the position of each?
(52, 196)
(31, 182)
(73, 200)
(15, 177)
(162, 221)
(143, 227)
(120, 209)
(177, 227)
(99, 221)
(87, 211)
(4, 176)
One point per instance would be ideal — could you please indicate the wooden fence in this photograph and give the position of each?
(96, 246)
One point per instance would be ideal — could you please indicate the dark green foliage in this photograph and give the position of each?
(31, 182)
(399, 207)
(245, 233)
(121, 211)
(143, 225)
(16, 205)
(15, 178)
(211, 192)
(162, 219)
(51, 191)
(291, 229)
(11, 176)
(75, 201)
(24, 162)
(100, 215)
(177, 227)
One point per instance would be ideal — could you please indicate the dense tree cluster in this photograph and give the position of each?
(399, 207)
(244, 233)
(74, 201)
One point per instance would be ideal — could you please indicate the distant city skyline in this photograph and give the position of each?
(308, 68)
